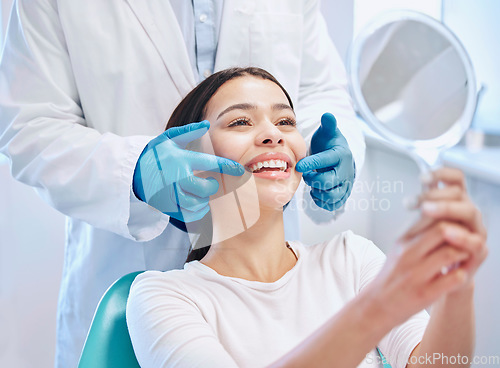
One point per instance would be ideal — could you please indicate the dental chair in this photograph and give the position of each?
(108, 342)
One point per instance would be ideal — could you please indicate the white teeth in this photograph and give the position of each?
(280, 164)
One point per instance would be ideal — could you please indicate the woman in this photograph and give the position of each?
(255, 300)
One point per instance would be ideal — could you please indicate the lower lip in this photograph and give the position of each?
(273, 175)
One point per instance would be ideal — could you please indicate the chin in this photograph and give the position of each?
(277, 194)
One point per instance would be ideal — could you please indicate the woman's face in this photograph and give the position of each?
(251, 122)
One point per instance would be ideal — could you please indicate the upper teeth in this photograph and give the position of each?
(271, 164)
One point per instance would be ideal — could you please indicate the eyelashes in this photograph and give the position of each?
(246, 122)
(239, 122)
(287, 121)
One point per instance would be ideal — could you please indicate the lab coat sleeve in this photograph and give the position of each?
(323, 84)
(81, 172)
(168, 330)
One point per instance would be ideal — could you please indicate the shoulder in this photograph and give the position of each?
(152, 277)
(345, 245)
(166, 280)
(155, 277)
(168, 286)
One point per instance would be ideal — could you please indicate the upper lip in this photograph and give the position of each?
(269, 156)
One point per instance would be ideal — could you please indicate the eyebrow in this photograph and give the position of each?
(247, 106)
(241, 106)
(281, 106)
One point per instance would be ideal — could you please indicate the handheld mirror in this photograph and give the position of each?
(413, 83)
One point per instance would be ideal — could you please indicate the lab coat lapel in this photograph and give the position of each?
(160, 23)
(236, 18)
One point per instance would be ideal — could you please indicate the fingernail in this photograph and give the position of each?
(426, 177)
(410, 203)
(429, 207)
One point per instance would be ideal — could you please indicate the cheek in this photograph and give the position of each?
(218, 145)
(206, 144)
(229, 146)
(298, 146)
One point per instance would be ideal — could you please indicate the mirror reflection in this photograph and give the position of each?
(413, 80)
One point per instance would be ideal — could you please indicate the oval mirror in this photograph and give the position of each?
(413, 83)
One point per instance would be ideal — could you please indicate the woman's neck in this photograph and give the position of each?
(257, 253)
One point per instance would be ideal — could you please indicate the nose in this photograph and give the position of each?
(270, 135)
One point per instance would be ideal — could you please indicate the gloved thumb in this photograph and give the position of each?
(328, 127)
(182, 135)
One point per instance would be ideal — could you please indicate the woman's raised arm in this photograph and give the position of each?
(433, 263)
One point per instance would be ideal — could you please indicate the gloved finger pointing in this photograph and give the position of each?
(202, 188)
(207, 162)
(182, 135)
(321, 160)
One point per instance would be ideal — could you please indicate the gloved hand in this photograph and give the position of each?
(329, 170)
(164, 178)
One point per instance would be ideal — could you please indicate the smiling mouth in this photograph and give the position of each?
(270, 165)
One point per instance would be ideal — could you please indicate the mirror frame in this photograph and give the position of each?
(453, 135)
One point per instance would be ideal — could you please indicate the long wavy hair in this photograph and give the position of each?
(192, 109)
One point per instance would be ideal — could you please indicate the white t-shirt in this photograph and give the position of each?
(197, 318)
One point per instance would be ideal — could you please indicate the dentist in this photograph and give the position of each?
(85, 91)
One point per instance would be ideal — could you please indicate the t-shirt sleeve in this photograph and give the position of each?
(168, 330)
(398, 344)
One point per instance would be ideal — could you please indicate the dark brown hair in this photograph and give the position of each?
(192, 109)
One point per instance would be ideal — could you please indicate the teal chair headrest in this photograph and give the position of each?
(108, 342)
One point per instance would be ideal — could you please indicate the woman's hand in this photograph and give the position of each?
(438, 255)
(451, 205)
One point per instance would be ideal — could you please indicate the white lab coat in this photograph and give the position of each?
(84, 85)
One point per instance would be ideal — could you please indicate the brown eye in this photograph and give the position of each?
(239, 122)
(287, 121)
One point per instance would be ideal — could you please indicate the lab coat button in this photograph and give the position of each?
(207, 73)
(203, 18)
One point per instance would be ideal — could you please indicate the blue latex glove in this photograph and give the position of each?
(329, 170)
(164, 178)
